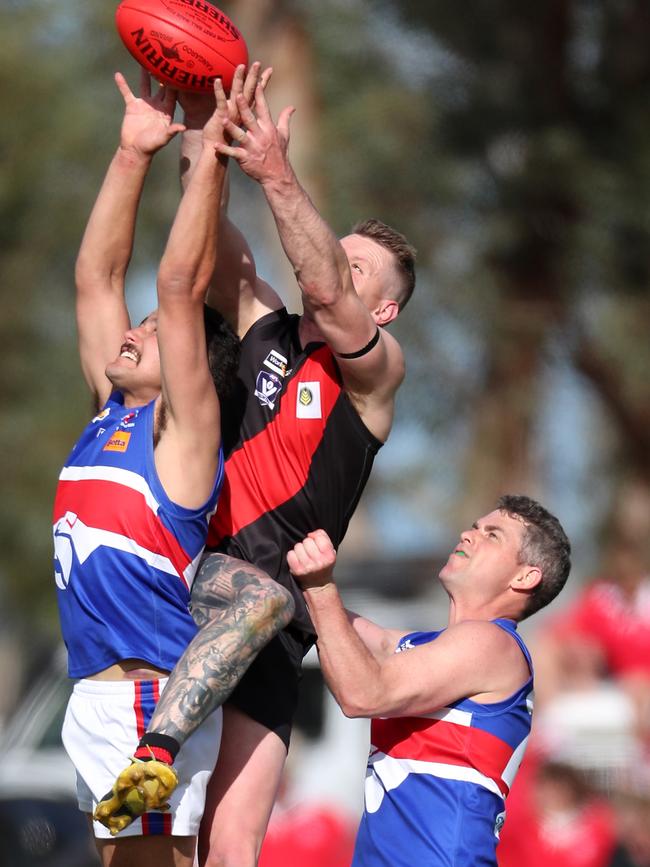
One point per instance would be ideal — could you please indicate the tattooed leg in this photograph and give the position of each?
(238, 609)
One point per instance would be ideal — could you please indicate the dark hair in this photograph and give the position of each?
(545, 545)
(223, 351)
(397, 244)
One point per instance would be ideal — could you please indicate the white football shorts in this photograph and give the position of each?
(104, 721)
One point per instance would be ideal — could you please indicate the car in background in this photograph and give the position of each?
(40, 822)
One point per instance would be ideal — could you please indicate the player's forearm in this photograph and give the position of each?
(318, 259)
(188, 262)
(223, 290)
(191, 148)
(107, 243)
(350, 670)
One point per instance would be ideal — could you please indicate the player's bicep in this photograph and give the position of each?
(235, 290)
(433, 676)
(375, 366)
(102, 321)
(186, 383)
(369, 358)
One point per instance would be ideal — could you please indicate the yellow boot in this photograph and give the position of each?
(140, 788)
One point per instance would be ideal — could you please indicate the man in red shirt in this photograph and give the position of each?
(554, 818)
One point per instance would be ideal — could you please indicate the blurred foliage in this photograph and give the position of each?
(509, 141)
(61, 111)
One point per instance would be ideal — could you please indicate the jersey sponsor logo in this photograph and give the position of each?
(119, 442)
(101, 415)
(308, 404)
(276, 362)
(267, 388)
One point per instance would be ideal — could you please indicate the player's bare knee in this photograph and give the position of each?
(270, 607)
(283, 605)
(269, 603)
(238, 853)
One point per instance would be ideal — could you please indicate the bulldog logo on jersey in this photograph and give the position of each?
(267, 388)
(405, 645)
(63, 549)
(308, 400)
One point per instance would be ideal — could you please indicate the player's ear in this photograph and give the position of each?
(386, 311)
(527, 578)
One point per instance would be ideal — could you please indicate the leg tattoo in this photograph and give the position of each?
(238, 609)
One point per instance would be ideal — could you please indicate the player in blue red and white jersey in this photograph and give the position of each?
(136, 494)
(451, 709)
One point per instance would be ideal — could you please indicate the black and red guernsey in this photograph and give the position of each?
(298, 454)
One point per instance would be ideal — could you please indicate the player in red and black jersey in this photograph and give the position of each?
(314, 403)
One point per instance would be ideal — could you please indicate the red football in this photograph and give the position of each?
(183, 43)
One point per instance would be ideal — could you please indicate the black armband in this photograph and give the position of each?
(156, 746)
(374, 340)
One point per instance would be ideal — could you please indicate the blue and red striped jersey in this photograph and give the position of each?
(125, 555)
(436, 784)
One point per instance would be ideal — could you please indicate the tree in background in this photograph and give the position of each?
(59, 127)
(509, 141)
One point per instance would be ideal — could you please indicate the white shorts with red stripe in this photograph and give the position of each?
(104, 722)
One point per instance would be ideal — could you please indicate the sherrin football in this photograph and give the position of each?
(186, 44)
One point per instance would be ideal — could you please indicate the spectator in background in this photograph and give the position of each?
(554, 817)
(302, 834)
(604, 635)
(633, 819)
(306, 832)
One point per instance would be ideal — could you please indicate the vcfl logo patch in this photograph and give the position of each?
(267, 388)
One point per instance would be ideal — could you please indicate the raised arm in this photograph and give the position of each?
(105, 252)
(472, 659)
(236, 290)
(187, 452)
(321, 264)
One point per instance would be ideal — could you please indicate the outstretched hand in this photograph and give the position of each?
(148, 123)
(258, 144)
(312, 561)
(213, 130)
(199, 107)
